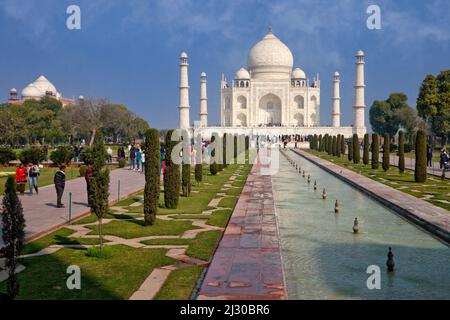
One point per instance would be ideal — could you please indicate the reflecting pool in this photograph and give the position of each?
(324, 259)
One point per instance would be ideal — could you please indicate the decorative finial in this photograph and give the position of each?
(270, 28)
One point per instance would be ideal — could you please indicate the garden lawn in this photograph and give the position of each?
(434, 190)
(120, 275)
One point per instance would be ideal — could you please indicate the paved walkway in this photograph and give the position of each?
(247, 263)
(432, 218)
(42, 216)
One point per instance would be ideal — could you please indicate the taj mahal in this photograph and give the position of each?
(270, 96)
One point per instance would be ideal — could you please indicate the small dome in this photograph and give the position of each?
(13, 90)
(360, 53)
(31, 91)
(336, 74)
(298, 74)
(80, 98)
(203, 75)
(242, 74)
(183, 55)
(270, 58)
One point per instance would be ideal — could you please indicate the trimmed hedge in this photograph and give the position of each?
(6, 155)
(31, 155)
(62, 155)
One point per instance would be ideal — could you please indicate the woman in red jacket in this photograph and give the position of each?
(21, 178)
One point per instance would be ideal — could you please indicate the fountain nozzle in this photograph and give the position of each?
(390, 261)
(356, 226)
(336, 207)
(324, 194)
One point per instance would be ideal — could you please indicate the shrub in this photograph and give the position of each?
(62, 155)
(408, 147)
(420, 172)
(6, 155)
(122, 163)
(386, 152)
(31, 155)
(401, 152)
(87, 156)
(198, 173)
(366, 149)
(152, 189)
(375, 151)
(82, 170)
(356, 149)
(171, 175)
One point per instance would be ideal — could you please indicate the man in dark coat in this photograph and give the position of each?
(60, 184)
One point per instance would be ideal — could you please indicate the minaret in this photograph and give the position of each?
(359, 91)
(203, 101)
(184, 92)
(336, 115)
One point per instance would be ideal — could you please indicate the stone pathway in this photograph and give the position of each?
(42, 216)
(247, 264)
(432, 218)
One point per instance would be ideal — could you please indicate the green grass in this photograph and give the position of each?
(114, 278)
(136, 228)
(228, 202)
(180, 284)
(435, 187)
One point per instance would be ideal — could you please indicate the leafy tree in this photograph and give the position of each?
(99, 184)
(401, 152)
(356, 149)
(152, 188)
(366, 149)
(383, 114)
(420, 172)
(13, 233)
(375, 151)
(171, 175)
(386, 152)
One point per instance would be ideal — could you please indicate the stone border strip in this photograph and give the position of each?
(431, 218)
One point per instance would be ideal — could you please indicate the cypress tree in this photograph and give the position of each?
(356, 149)
(224, 151)
(235, 147)
(375, 151)
(171, 175)
(343, 145)
(320, 143)
(152, 189)
(213, 165)
(338, 145)
(366, 149)
(186, 179)
(401, 152)
(13, 233)
(334, 146)
(100, 184)
(330, 145)
(198, 173)
(420, 172)
(220, 154)
(386, 152)
(350, 150)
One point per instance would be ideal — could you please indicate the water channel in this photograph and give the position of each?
(324, 259)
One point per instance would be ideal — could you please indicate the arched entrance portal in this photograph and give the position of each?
(270, 110)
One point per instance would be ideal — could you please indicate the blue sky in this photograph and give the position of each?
(128, 51)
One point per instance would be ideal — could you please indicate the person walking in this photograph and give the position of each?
(110, 154)
(21, 178)
(429, 156)
(138, 159)
(132, 156)
(60, 184)
(33, 172)
(88, 177)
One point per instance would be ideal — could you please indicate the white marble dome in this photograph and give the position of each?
(31, 92)
(242, 73)
(44, 85)
(298, 74)
(270, 59)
